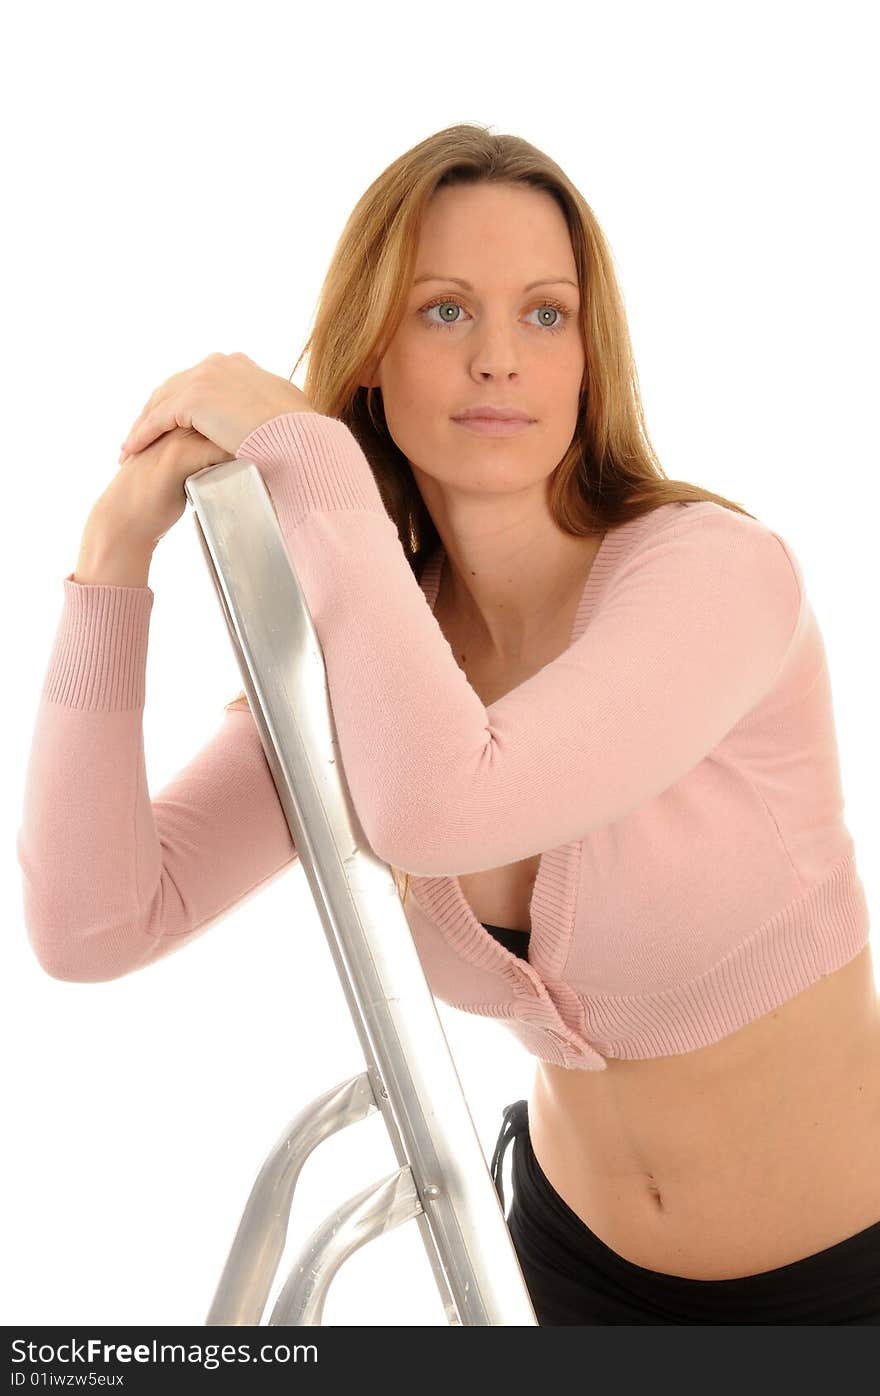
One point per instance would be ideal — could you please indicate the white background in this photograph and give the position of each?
(176, 178)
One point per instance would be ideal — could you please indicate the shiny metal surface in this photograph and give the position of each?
(444, 1180)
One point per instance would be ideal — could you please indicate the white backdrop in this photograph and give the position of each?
(176, 177)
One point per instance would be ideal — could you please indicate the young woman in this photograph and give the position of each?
(584, 708)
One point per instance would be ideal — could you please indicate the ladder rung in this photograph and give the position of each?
(262, 1232)
(370, 1213)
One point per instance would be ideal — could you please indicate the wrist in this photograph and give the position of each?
(109, 559)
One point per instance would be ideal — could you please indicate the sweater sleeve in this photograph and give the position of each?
(691, 634)
(113, 881)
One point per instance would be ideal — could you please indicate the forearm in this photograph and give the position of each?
(110, 559)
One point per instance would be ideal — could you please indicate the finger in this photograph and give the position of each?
(164, 390)
(162, 393)
(165, 416)
(151, 403)
(151, 400)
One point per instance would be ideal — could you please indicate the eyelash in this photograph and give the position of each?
(564, 311)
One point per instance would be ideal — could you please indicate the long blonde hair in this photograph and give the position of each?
(610, 472)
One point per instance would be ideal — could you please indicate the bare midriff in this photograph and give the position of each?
(740, 1157)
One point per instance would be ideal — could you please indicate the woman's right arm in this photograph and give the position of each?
(112, 879)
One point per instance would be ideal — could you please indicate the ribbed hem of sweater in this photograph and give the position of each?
(815, 935)
(99, 658)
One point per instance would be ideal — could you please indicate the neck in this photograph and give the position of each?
(505, 607)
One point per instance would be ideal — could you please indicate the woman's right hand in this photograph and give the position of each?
(146, 496)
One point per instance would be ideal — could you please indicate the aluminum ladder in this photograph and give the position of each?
(443, 1181)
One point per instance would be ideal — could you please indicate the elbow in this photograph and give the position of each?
(70, 950)
(68, 974)
(81, 951)
(77, 957)
(76, 970)
(401, 848)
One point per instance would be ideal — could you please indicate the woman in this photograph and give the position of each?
(603, 754)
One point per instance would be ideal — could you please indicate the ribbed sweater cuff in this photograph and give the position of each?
(99, 659)
(337, 476)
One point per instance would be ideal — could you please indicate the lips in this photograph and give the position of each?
(492, 414)
(493, 426)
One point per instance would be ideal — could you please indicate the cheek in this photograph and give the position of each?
(559, 383)
(418, 377)
(406, 362)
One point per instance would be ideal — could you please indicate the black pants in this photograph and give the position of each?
(574, 1278)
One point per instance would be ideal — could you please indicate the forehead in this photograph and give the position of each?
(511, 234)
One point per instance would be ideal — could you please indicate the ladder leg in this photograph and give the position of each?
(411, 1077)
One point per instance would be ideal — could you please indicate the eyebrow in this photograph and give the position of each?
(544, 281)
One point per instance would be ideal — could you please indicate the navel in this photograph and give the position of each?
(654, 1192)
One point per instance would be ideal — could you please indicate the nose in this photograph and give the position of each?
(493, 349)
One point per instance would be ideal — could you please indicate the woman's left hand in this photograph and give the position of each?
(225, 398)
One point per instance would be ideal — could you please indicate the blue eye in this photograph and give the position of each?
(562, 311)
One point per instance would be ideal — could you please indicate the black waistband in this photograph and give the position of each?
(516, 1121)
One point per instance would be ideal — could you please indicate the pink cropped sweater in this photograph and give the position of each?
(676, 768)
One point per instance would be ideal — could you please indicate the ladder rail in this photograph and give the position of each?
(414, 1081)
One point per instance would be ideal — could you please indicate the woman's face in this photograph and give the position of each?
(496, 343)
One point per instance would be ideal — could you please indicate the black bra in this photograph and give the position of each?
(517, 941)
